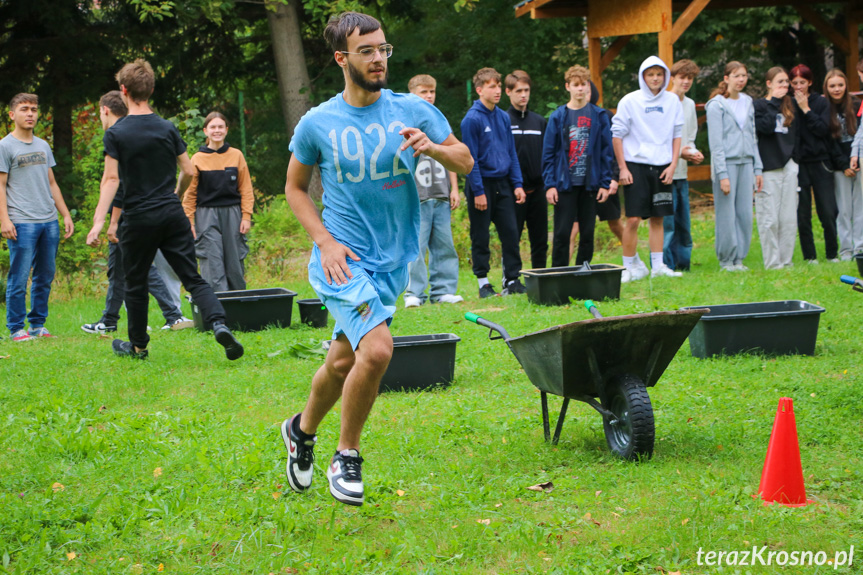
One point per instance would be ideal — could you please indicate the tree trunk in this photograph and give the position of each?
(291, 70)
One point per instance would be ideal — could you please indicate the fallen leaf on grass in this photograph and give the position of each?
(498, 504)
(399, 492)
(547, 487)
(276, 495)
(71, 555)
(161, 567)
(157, 473)
(589, 517)
(685, 521)
(310, 350)
(105, 336)
(5, 356)
(484, 521)
(103, 409)
(598, 493)
(58, 487)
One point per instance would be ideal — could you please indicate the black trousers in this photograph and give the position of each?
(501, 212)
(815, 176)
(575, 204)
(165, 228)
(534, 213)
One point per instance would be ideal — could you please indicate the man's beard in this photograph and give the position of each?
(368, 85)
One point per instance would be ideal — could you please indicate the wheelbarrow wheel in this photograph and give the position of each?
(631, 433)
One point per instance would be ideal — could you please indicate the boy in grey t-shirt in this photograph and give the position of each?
(438, 191)
(29, 201)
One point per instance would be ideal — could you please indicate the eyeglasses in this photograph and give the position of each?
(368, 54)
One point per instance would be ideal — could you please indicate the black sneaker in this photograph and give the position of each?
(301, 456)
(513, 287)
(126, 349)
(233, 348)
(487, 291)
(98, 327)
(345, 475)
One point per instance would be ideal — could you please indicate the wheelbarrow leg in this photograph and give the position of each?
(560, 419)
(545, 424)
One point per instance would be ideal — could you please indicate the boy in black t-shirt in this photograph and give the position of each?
(577, 166)
(144, 150)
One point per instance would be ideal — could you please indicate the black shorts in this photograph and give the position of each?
(609, 209)
(647, 197)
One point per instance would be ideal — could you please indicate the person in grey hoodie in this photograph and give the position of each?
(735, 165)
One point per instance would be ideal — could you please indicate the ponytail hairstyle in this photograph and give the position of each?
(843, 107)
(210, 117)
(722, 88)
(787, 108)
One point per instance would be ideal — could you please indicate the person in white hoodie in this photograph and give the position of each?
(646, 133)
(735, 165)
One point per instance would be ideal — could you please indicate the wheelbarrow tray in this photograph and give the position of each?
(576, 359)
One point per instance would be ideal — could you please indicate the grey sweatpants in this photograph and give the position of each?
(734, 214)
(220, 247)
(849, 224)
(776, 212)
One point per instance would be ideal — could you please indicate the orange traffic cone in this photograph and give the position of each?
(782, 478)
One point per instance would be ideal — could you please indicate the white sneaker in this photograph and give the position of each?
(639, 272)
(812, 262)
(411, 301)
(625, 276)
(834, 260)
(450, 298)
(182, 323)
(741, 268)
(664, 271)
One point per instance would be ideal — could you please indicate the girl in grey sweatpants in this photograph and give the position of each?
(735, 166)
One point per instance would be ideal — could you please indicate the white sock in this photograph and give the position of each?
(656, 260)
(629, 262)
(482, 281)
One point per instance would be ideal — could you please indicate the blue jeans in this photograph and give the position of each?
(436, 238)
(36, 249)
(677, 247)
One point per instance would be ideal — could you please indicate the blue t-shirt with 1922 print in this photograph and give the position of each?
(370, 199)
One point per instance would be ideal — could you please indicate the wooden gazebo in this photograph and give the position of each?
(624, 18)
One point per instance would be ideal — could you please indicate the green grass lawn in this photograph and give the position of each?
(176, 464)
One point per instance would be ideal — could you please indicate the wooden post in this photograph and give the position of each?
(853, 55)
(594, 60)
(666, 44)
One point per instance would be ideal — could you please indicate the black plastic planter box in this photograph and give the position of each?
(252, 309)
(420, 362)
(859, 259)
(554, 286)
(774, 327)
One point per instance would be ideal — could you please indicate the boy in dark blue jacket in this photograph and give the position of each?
(577, 159)
(494, 185)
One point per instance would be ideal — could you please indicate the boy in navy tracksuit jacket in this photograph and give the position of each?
(494, 185)
(577, 160)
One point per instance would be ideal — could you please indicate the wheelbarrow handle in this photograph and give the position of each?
(591, 307)
(489, 324)
(857, 284)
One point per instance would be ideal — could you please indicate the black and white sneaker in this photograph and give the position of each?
(513, 287)
(98, 327)
(301, 456)
(487, 291)
(345, 475)
(126, 349)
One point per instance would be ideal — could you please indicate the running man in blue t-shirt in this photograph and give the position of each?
(367, 238)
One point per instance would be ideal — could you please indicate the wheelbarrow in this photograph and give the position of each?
(606, 362)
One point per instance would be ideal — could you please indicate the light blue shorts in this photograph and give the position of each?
(366, 301)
